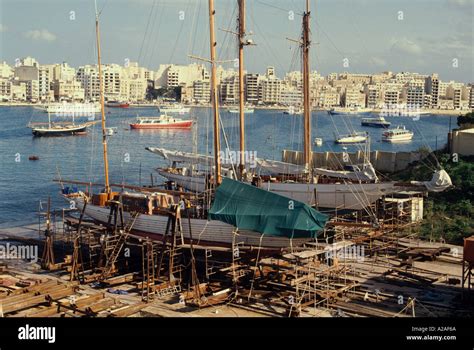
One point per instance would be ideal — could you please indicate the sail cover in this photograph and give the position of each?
(277, 167)
(367, 173)
(439, 182)
(182, 157)
(250, 208)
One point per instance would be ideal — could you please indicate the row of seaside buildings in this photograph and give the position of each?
(29, 81)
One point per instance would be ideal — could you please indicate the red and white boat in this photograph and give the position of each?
(117, 104)
(162, 122)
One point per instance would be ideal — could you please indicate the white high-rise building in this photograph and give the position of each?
(6, 71)
(252, 81)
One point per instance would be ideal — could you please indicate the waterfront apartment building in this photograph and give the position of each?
(391, 97)
(326, 97)
(19, 91)
(251, 87)
(202, 91)
(432, 88)
(291, 96)
(353, 97)
(88, 75)
(372, 95)
(171, 76)
(5, 90)
(229, 90)
(356, 78)
(6, 72)
(270, 90)
(29, 76)
(415, 96)
(68, 90)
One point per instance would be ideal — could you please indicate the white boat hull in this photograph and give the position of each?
(354, 139)
(341, 196)
(204, 232)
(190, 183)
(335, 196)
(400, 138)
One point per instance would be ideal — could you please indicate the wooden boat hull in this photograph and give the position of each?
(204, 232)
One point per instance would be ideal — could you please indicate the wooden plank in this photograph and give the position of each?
(129, 310)
(99, 306)
(46, 312)
(25, 304)
(20, 298)
(34, 287)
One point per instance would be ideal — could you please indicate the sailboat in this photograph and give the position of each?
(352, 189)
(59, 128)
(263, 230)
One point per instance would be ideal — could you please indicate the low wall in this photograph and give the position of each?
(383, 161)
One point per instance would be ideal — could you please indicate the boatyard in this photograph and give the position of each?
(208, 191)
(354, 270)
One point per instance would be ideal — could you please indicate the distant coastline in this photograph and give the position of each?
(449, 112)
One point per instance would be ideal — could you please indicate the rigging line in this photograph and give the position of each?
(265, 41)
(278, 7)
(178, 37)
(437, 165)
(321, 30)
(197, 9)
(149, 43)
(146, 30)
(157, 34)
(348, 184)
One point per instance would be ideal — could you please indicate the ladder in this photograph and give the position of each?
(117, 246)
(169, 246)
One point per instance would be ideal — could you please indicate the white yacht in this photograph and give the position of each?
(352, 138)
(398, 134)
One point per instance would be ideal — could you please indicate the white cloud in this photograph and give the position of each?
(379, 61)
(405, 46)
(462, 4)
(3, 28)
(40, 34)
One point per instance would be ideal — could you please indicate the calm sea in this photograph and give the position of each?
(24, 183)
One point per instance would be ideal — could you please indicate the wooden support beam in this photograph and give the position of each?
(129, 310)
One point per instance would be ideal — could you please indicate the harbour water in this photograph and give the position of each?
(24, 183)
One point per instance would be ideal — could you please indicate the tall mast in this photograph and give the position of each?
(214, 96)
(102, 107)
(241, 85)
(306, 97)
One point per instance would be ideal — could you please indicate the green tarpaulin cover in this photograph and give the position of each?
(250, 208)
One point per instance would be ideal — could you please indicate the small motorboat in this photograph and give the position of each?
(162, 122)
(352, 138)
(376, 122)
(318, 141)
(398, 134)
(111, 131)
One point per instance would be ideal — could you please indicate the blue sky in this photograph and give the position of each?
(372, 34)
